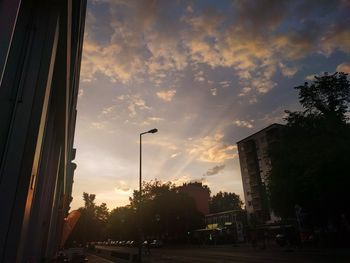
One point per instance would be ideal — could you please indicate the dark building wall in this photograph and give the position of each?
(200, 194)
(255, 165)
(41, 44)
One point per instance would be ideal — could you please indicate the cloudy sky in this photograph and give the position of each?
(206, 73)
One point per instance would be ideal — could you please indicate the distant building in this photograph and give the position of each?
(200, 194)
(223, 227)
(230, 222)
(255, 165)
(40, 54)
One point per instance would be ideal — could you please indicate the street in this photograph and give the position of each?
(95, 259)
(242, 254)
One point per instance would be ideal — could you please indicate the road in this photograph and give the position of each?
(96, 259)
(242, 254)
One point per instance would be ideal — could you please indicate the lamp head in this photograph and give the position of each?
(152, 131)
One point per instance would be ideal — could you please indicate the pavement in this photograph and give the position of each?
(232, 254)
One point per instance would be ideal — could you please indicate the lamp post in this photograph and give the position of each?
(140, 192)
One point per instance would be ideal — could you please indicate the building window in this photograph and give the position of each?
(249, 203)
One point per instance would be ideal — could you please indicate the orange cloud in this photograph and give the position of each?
(344, 67)
(211, 149)
(166, 95)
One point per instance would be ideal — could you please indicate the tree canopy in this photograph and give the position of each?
(91, 224)
(224, 201)
(310, 163)
(327, 96)
(167, 212)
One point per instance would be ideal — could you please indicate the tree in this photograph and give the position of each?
(224, 201)
(121, 224)
(167, 212)
(91, 225)
(89, 201)
(310, 163)
(102, 213)
(328, 96)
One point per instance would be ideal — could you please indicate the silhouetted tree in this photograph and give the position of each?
(164, 211)
(89, 202)
(122, 224)
(224, 201)
(102, 213)
(310, 164)
(167, 213)
(327, 97)
(92, 222)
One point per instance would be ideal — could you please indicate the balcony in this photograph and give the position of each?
(255, 196)
(257, 206)
(253, 182)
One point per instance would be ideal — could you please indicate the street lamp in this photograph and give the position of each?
(140, 190)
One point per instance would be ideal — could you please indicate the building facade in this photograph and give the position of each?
(255, 165)
(231, 222)
(40, 55)
(225, 227)
(199, 193)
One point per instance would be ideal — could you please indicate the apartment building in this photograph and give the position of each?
(255, 165)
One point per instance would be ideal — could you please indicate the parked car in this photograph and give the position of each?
(156, 243)
(122, 243)
(132, 243)
(61, 257)
(115, 243)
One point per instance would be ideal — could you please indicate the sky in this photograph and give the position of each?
(205, 73)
